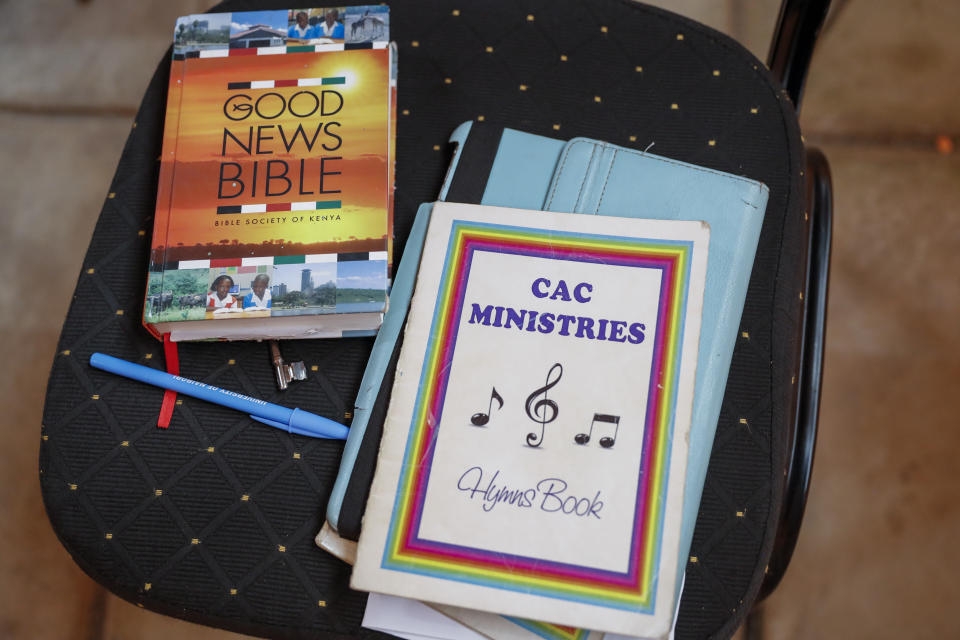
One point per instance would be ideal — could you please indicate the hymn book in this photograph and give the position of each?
(274, 204)
(533, 458)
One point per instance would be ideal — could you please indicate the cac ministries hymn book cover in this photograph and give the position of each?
(276, 151)
(534, 454)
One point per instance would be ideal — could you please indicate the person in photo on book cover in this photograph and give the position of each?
(219, 296)
(301, 28)
(259, 296)
(330, 27)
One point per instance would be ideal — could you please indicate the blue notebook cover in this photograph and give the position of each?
(505, 167)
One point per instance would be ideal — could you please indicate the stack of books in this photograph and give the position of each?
(553, 405)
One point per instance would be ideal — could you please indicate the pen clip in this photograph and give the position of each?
(272, 423)
(283, 426)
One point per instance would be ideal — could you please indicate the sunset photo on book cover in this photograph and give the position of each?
(277, 155)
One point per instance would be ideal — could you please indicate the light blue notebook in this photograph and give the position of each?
(509, 168)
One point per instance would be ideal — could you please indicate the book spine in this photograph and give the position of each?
(168, 155)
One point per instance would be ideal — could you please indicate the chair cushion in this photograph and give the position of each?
(213, 519)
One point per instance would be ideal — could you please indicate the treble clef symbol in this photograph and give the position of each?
(544, 410)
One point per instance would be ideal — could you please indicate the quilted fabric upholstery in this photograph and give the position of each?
(213, 519)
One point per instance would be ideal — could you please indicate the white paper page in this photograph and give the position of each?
(413, 620)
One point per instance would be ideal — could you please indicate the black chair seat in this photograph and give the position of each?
(213, 519)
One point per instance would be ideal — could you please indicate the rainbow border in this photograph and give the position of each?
(550, 631)
(633, 589)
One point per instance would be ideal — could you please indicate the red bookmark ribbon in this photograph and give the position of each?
(173, 368)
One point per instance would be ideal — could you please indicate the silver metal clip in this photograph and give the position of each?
(285, 372)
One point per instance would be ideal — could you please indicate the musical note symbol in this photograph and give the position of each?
(480, 419)
(537, 411)
(606, 442)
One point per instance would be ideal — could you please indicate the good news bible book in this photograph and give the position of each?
(534, 455)
(274, 204)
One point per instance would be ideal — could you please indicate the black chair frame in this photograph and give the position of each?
(791, 51)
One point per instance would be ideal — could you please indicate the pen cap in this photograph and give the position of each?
(305, 421)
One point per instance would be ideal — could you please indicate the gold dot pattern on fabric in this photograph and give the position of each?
(563, 57)
(712, 143)
(194, 541)
(296, 456)
(693, 559)
(556, 127)
(604, 29)
(233, 592)
(674, 106)
(245, 498)
(111, 195)
(739, 514)
(455, 12)
(108, 536)
(488, 49)
(530, 17)
(679, 36)
(745, 334)
(65, 352)
(90, 270)
(141, 232)
(523, 87)
(597, 99)
(281, 548)
(72, 486)
(125, 443)
(148, 356)
(481, 118)
(405, 112)
(95, 396)
(231, 362)
(348, 414)
(754, 110)
(632, 138)
(436, 147)
(158, 492)
(321, 603)
(743, 421)
(119, 312)
(638, 69)
(415, 44)
(210, 449)
(147, 586)
(448, 81)
(44, 437)
(179, 402)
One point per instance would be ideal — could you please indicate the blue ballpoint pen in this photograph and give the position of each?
(291, 420)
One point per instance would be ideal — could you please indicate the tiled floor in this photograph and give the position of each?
(875, 556)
